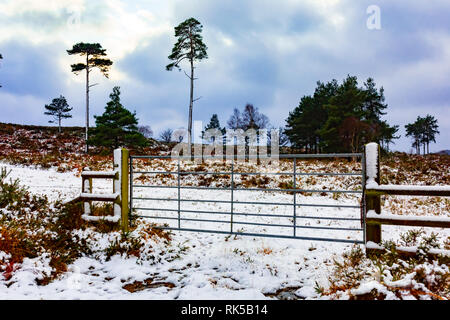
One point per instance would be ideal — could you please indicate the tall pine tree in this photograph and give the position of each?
(430, 130)
(117, 126)
(94, 59)
(190, 47)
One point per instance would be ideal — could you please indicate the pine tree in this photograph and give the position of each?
(387, 135)
(297, 129)
(344, 129)
(58, 109)
(373, 104)
(415, 130)
(306, 120)
(430, 130)
(423, 131)
(117, 126)
(94, 53)
(189, 46)
(214, 124)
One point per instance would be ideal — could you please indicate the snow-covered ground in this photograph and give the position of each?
(195, 265)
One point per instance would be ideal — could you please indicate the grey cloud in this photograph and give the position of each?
(37, 21)
(29, 69)
(147, 62)
(254, 69)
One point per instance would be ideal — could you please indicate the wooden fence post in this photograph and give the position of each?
(124, 191)
(373, 202)
(86, 187)
(121, 186)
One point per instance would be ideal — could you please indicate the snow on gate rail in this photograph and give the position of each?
(187, 197)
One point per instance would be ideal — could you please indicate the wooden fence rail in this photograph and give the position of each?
(119, 196)
(372, 200)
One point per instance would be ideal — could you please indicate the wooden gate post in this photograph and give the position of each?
(121, 156)
(86, 187)
(373, 201)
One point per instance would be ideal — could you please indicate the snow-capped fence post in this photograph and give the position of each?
(373, 218)
(86, 187)
(121, 157)
(372, 201)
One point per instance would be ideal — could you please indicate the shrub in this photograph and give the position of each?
(127, 245)
(421, 275)
(10, 192)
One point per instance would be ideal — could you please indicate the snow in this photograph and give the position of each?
(109, 196)
(53, 184)
(212, 267)
(98, 173)
(407, 187)
(306, 292)
(100, 218)
(371, 164)
(199, 265)
(373, 245)
(4, 256)
(373, 214)
(371, 285)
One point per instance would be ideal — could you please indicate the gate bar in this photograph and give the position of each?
(264, 235)
(257, 203)
(249, 214)
(247, 189)
(253, 223)
(235, 157)
(225, 173)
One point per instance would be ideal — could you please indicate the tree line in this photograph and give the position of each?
(340, 118)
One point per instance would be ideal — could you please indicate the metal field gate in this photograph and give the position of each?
(239, 197)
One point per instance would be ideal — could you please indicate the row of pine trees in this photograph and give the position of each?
(336, 118)
(340, 118)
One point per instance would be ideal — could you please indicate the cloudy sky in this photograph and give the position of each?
(268, 53)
